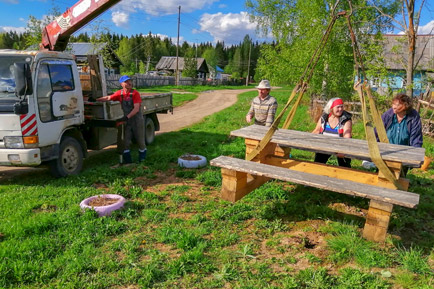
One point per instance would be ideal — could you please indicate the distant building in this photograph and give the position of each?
(215, 73)
(395, 54)
(167, 64)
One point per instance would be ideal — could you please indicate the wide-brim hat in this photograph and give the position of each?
(124, 78)
(264, 84)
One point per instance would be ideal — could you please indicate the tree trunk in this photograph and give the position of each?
(411, 34)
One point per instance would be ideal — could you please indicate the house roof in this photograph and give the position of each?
(169, 63)
(396, 47)
(84, 48)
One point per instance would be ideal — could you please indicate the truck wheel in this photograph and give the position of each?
(70, 159)
(149, 130)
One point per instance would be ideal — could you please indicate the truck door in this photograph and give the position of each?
(58, 98)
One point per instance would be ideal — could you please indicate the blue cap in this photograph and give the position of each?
(124, 78)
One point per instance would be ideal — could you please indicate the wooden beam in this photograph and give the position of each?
(251, 144)
(377, 221)
(336, 172)
(235, 185)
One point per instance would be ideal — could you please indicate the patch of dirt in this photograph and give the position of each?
(190, 157)
(102, 201)
(194, 111)
(350, 210)
(161, 178)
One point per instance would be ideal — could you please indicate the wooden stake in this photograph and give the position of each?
(377, 221)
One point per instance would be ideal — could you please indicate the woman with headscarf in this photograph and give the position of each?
(334, 122)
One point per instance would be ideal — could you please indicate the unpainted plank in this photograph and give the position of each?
(396, 197)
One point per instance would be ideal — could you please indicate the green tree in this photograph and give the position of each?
(210, 56)
(298, 27)
(190, 64)
(408, 23)
(124, 53)
(35, 26)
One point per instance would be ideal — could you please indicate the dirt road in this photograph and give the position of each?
(192, 112)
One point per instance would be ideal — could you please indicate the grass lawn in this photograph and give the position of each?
(176, 232)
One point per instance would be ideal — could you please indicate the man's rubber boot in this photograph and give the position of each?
(127, 158)
(142, 156)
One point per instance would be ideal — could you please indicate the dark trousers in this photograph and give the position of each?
(323, 158)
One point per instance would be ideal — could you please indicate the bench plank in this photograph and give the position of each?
(352, 148)
(395, 197)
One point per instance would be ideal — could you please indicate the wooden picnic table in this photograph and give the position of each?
(350, 147)
(239, 177)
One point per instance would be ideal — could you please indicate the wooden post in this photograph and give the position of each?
(282, 151)
(269, 149)
(377, 221)
(233, 185)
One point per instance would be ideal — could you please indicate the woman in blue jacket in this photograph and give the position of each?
(403, 125)
(402, 122)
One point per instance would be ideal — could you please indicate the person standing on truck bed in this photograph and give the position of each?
(131, 105)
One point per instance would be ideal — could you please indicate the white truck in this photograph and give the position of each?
(45, 116)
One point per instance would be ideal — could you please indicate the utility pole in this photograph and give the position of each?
(248, 65)
(147, 64)
(177, 48)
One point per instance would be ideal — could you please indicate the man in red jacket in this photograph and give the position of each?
(131, 106)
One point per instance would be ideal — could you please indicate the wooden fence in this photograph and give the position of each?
(143, 80)
(425, 107)
(317, 106)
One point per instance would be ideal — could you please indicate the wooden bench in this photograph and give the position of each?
(240, 177)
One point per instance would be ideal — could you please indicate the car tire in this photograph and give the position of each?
(104, 210)
(70, 159)
(188, 163)
(149, 130)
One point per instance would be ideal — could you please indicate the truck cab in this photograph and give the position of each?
(41, 108)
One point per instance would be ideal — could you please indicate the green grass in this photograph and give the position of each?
(176, 232)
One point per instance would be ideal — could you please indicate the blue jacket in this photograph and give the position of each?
(414, 125)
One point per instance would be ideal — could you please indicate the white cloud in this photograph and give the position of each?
(427, 29)
(230, 28)
(18, 30)
(163, 7)
(10, 1)
(120, 19)
(223, 6)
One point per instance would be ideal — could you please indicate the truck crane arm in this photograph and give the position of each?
(55, 36)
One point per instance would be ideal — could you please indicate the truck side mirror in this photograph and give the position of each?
(23, 86)
(23, 79)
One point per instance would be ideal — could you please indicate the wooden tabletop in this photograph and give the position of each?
(352, 148)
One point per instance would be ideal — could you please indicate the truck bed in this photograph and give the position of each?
(112, 110)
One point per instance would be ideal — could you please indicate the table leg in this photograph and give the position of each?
(377, 221)
(236, 185)
(269, 149)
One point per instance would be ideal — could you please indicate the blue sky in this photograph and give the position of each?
(201, 20)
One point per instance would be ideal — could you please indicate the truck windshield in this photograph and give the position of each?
(7, 81)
